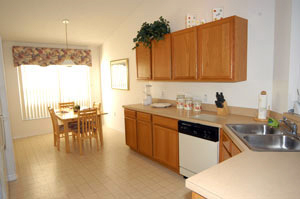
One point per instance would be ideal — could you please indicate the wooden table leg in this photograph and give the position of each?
(66, 131)
(100, 131)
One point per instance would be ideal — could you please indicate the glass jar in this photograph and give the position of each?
(197, 105)
(188, 105)
(180, 101)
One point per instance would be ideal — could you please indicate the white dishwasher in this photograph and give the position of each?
(198, 147)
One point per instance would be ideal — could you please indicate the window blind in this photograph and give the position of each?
(41, 87)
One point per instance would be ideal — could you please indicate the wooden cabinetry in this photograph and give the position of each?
(130, 129)
(165, 142)
(212, 52)
(222, 50)
(184, 54)
(153, 136)
(161, 59)
(143, 62)
(144, 133)
(227, 148)
(196, 196)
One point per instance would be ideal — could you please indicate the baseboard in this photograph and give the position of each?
(27, 136)
(12, 177)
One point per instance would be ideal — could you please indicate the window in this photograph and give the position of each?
(41, 87)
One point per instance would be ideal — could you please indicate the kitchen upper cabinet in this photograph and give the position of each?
(184, 54)
(165, 142)
(144, 133)
(222, 50)
(161, 59)
(130, 129)
(143, 62)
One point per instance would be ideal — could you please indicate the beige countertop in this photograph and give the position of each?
(248, 175)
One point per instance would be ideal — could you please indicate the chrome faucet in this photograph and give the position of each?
(291, 125)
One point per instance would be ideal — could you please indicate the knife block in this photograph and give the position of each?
(224, 110)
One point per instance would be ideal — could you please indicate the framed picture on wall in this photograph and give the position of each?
(119, 71)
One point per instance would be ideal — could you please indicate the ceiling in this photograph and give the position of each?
(40, 21)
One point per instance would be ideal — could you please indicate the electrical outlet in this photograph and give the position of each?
(162, 95)
(115, 114)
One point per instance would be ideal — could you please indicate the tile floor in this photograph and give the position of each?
(114, 172)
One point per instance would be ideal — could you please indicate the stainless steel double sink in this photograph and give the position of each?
(261, 137)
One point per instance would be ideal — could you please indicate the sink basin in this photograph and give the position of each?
(257, 129)
(273, 143)
(261, 137)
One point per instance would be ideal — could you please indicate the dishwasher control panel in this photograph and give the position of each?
(199, 130)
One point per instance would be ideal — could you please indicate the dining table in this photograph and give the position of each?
(66, 116)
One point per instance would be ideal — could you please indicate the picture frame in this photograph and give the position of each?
(119, 71)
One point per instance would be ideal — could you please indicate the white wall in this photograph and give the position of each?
(281, 55)
(294, 75)
(260, 15)
(21, 128)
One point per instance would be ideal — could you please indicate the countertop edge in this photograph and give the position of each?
(201, 191)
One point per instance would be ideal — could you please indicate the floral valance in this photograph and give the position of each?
(50, 56)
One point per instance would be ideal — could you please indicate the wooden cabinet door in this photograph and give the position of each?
(215, 47)
(161, 59)
(196, 196)
(130, 132)
(224, 154)
(144, 136)
(143, 62)
(235, 150)
(184, 54)
(165, 146)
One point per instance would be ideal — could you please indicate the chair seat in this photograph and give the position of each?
(72, 127)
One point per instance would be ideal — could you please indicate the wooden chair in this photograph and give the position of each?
(58, 130)
(87, 127)
(97, 105)
(62, 105)
(100, 131)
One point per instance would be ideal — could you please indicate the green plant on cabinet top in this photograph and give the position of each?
(151, 31)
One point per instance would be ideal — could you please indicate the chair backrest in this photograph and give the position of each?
(87, 122)
(66, 105)
(53, 119)
(97, 105)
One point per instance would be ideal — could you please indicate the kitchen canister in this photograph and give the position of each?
(188, 104)
(197, 105)
(180, 101)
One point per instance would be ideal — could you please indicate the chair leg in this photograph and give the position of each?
(97, 142)
(80, 144)
(73, 138)
(54, 139)
(58, 142)
(91, 142)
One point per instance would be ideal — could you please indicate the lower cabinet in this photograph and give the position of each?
(144, 133)
(153, 136)
(196, 196)
(227, 148)
(130, 129)
(165, 146)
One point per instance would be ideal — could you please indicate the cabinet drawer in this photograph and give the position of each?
(165, 122)
(144, 116)
(130, 113)
(226, 141)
